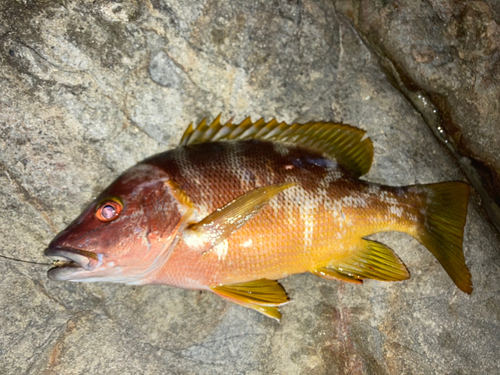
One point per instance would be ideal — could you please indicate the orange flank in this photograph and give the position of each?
(236, 207)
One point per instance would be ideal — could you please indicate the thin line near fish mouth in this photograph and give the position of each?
(72, 258)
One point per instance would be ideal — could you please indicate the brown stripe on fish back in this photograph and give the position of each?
(219, 173)
(213, 174)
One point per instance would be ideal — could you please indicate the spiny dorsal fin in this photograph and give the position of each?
(343, 143)
(373, 260)
(262, 295)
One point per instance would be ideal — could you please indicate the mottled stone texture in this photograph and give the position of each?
(446, 53)
(88, 88)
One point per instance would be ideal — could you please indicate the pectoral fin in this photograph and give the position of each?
(221, 223)
(372, 260)
(262, 295)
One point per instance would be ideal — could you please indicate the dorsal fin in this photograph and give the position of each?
(344, 143)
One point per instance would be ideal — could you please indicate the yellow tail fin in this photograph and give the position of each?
(442, 227)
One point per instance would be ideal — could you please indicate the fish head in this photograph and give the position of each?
(125, 234)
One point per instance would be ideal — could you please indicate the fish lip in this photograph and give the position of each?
(81, 258)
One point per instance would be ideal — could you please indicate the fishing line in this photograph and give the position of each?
(25, 261)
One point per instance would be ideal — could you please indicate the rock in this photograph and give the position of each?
(446, 57)
(90, 88)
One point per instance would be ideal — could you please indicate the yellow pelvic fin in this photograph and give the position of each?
(331, 274)
(372, 260)
(221, 223)
(269, 311)
(262, 295)
(442, 229)
(344, 143)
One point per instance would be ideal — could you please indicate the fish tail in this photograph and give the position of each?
(441, 227)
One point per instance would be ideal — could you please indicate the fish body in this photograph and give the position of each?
(231, 213)
(320, 220)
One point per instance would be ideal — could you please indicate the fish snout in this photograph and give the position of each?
(68, 261)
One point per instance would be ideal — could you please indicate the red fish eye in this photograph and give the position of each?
(108, 210)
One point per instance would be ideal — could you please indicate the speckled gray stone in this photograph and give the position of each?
(444, 56)
(89, 88)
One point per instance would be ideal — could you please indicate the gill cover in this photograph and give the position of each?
(130, 247)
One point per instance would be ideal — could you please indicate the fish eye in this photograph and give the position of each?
(109, 209)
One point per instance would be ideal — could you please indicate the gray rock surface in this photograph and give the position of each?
(89, 88)
(445, 56)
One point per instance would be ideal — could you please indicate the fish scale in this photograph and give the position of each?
(237, 206)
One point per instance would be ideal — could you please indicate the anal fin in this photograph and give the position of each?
(332, 274)
(372, 260)
(261, 295)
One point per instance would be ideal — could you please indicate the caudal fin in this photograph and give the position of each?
(442, 228)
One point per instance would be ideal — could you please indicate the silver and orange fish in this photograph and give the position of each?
(236, 207)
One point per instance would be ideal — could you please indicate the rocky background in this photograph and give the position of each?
(89, 88)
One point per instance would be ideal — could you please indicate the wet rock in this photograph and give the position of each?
(447, 53)
(90, 88)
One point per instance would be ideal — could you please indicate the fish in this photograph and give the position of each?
(237, 207)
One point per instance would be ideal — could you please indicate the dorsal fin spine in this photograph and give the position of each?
(343, 143)
(246, 122)
(209, 133)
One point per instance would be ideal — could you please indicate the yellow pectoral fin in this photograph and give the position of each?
(331, 274)
(372, 260)
(269, 311)
(262, 295)
(221, 223)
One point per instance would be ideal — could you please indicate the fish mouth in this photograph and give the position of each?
(68, 261)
